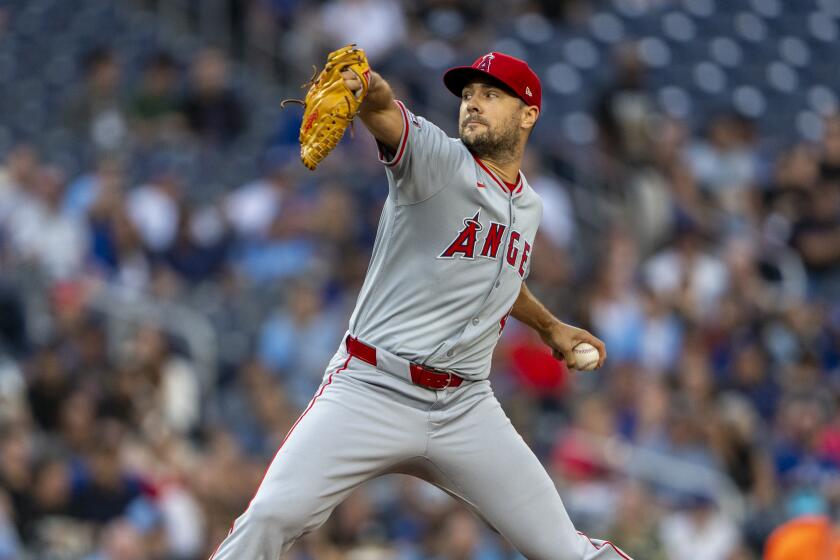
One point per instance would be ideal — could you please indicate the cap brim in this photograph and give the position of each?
(456, 78)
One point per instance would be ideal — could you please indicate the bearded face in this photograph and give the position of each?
(490, 123)
(490, 141)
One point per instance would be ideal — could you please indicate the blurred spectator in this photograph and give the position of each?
(102, 489)
(799, 461)
(171, 382)
(722, 161)
(460, 537)
(252, 207)
(830, 160)
(699, 531)
(18, 181)
(155, 107)
(121, 541)
(50, 499)
(154, 209)
(298, 342)
(747, 463)
(41, 232)
(116, 246)
(96, 111)
(289, 250)
(534, 368)
(200, 246)
(751, 375)
(83, 191)
(259, 410)
(212, 109)
(725, 165)
(15, 474)
(558, 222)
(375, 25)
(804, 538)
(624, 110)
(686, 276)
(635, 524)
(579, 462)
(10, 547)
(816, 237)
(48, 387)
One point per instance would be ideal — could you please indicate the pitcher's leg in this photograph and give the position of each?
(346, 435)
(486, 462)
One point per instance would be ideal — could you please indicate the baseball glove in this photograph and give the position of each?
(329, 107)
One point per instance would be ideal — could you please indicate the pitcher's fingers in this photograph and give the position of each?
(602, 350)
(569, 358)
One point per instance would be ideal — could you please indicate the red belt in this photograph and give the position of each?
(420, 375)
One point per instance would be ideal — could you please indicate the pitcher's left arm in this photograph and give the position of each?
(559, 336)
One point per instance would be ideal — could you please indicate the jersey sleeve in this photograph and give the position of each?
(424, 158)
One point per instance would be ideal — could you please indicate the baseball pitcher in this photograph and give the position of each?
(408, 390)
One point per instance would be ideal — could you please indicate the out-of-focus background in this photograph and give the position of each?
(173, 281)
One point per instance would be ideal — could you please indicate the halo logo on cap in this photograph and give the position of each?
(485, 62)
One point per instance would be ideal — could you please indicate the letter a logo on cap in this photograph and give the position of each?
(528, 91)
(485, 62)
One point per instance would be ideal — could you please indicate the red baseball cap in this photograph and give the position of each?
(509, 70)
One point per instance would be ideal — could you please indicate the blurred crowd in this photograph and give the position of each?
(706, 256)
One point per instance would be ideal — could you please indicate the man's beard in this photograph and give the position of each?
(497, 145)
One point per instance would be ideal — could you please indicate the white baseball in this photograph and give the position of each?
(586, 356)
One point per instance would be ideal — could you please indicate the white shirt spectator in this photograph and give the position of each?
(154, 214)
(375, 25)
(183, 522)
(180, 395)
(720, 170)
(57, 242)
(251, 208)
(706, 275)
(12, 198)
(687, 535)
(558, 220)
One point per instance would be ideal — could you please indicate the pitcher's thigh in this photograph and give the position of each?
(342, 440)
(487, 463)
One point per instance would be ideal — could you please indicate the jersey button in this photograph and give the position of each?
(498, 283)
(450, 353)
(475, 321)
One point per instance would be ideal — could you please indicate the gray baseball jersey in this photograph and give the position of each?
(453, 247)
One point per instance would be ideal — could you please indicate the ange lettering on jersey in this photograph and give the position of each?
(465, 242)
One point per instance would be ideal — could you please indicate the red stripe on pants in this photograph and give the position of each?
(308, 408)
(605, 543)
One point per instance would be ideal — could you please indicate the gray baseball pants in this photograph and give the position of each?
(365, 421)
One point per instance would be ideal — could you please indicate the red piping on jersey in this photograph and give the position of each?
(403, 140)
(602, 546)
(499, 181)
(308, 408)
(520, 183)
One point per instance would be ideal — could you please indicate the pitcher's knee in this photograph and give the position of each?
(550, 549)
(277, 516)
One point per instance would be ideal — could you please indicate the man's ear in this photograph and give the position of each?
(530, 114)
